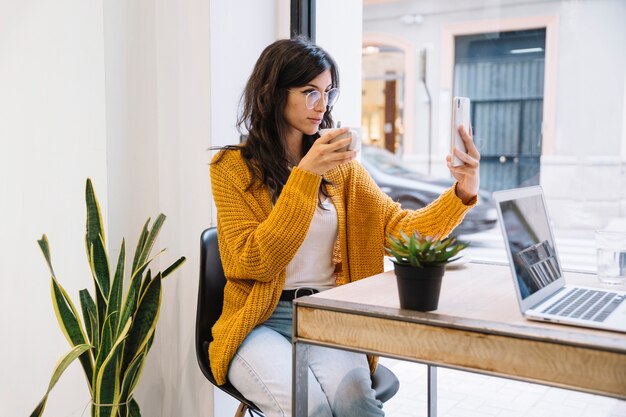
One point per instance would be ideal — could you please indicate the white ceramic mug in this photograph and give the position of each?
(354, 132)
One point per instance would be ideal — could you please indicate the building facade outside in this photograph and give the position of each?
(558, 118)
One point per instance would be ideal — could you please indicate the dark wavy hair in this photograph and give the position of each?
(283, 65)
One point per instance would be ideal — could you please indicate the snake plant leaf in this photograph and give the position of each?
(67, 316)
(134, 291)
(45, 249)
(143, 236)
(100, 265)
(174, 266)
(60, 367)
(134, 409)
(101, 301)
(149, 345)
(88, 308)
(106, 344)
(131, 377)
(64, 308)
(145, 283)
(107, 386)
(94, 227)
(114, 304)
(151, 239)
(130, 303)
(144, 321)
(93, 319)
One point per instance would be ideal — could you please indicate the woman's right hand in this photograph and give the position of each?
(324, 155)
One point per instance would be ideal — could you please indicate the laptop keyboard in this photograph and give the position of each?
(586, 304)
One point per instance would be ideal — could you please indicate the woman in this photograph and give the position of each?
(295, 213)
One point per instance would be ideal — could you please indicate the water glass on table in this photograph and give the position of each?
(611, 251)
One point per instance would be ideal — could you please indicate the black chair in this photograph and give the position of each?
(210, 300)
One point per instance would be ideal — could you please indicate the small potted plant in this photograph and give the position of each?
(419, 264)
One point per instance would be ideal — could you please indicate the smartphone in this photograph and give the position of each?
(460, 117)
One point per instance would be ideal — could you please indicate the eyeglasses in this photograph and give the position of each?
(312, 97)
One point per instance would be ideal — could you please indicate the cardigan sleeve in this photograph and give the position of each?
(440, 217)
(261, 245)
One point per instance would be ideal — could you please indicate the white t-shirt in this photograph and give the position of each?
(313, 266)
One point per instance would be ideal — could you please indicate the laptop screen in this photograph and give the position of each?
(530, 242)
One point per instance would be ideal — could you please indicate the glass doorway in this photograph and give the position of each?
(503, 74)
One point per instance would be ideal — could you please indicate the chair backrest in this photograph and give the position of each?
(210, 297)
(210, 301)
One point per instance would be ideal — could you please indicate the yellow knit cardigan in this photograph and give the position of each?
(257, 241)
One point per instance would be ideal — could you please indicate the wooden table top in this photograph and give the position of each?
(477, 296)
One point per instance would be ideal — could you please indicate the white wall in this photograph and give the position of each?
(240, 30)
(53, 137)
(118, 91)
(158, 129)
(339, 31)
(129, 94)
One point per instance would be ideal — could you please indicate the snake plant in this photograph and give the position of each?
(113, 333)
(422, 251)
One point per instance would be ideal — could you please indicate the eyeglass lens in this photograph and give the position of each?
(314, 96)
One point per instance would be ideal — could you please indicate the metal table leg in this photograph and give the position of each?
(299, 397)
(432, 391)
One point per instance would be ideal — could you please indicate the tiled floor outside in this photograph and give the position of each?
(465, 394)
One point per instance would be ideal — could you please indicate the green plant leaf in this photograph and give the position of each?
(134, 292)
(45, 249)
(94, 228)
(144, 321)
(174, 266)
(100, 263)
(67, 316)
(101, 301)
(130, 303)
(143, 236)
(151, 239)
(93, 319)
(89, 312)
(421, 251)
(106, 344)
(131, 376)
(404, 237)
(412, 245)
(145, 282)
(60, 367)
(134, 409)
(114, 305)
(107, 382)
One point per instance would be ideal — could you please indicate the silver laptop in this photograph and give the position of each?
(541, 289)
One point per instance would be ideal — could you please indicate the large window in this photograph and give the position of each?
(547, 80)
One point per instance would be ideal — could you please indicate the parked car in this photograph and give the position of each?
(414, 190)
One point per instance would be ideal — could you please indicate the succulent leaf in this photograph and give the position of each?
(423, 251)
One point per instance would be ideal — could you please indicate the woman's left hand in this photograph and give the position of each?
(467, 175)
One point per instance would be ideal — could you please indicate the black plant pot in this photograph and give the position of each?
(419, 288)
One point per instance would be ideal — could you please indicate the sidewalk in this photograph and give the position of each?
(466, 394)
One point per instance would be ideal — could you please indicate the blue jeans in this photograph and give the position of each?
(339, 381)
